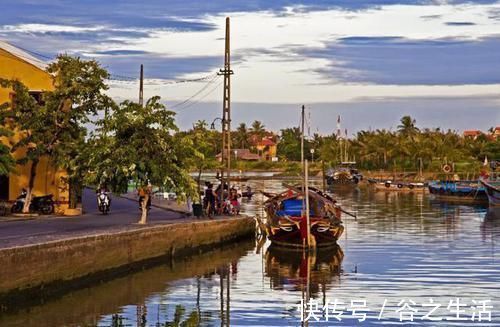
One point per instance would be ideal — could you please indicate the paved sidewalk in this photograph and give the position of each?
(123, 216)
(161, 203)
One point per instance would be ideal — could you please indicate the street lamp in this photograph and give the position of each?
(212, 125)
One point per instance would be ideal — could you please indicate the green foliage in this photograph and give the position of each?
(289, 145)
(241, 137)
(402, 150)
(258, 128)
(141, 143)
(7, 162)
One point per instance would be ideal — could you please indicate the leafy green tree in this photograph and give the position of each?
(203, 154)
(289, 145)
(7, 162)
(141, 144)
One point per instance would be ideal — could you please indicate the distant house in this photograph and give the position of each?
(240, 154)
(473, 134)
(496, 132)
(267, 148)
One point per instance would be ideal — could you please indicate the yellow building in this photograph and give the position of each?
(267, 148)
(17, 64)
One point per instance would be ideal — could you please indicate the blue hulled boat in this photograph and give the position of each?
(460, 191)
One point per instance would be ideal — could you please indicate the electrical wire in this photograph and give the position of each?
(196, 94)
(113, 77)
(203, 97)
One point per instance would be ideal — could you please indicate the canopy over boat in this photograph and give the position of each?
(287, 226)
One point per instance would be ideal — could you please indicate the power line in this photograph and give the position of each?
(117, 77)
(196, 94)
(203, 97)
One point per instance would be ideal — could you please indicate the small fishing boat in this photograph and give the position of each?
(458, 191)
(344, 174)
(399, 186)
(287, 224)
(492, 188)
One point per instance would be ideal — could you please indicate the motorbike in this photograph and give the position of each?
(103, 202)
(41, 204)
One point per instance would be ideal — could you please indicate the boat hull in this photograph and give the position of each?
(459, 192)
(323, 233)
(493, 192)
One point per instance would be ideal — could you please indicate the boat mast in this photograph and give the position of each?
(302, 150)
(306, 194)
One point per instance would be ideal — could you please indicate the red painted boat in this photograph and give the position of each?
(287, 223)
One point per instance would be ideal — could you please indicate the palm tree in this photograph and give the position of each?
(407, 126)
(258, 128)
(241, 136)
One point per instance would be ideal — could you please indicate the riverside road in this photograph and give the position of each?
(123, 216)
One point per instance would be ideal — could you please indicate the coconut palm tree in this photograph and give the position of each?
(258, 128)
(407, 126)
(241, 136)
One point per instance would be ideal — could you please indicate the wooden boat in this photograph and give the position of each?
(458, 191)
(287, 225)
(345, 174)
(492, 188)
(398, 186)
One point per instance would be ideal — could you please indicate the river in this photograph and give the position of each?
(404, 256)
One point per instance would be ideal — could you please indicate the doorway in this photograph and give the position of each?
(4, 187)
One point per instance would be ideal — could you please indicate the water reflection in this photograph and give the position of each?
(297, 271)
(141, 298)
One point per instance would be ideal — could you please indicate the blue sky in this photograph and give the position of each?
(371, 61)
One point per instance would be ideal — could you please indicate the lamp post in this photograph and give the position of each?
(212, 125)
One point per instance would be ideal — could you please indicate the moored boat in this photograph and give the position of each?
(492, 189)
(458, 191)
(287, 224)
(399, 186)
(344, 174)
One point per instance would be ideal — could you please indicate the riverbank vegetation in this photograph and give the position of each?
(409, 148)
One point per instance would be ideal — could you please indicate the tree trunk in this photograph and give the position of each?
(29, 191)
(74, 188)
(144, 207)
(199, 183)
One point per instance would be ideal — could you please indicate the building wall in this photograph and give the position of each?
(48, 179)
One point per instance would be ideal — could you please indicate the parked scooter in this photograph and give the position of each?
(41, 204)
(103, 202)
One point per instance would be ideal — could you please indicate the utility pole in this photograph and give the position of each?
(226, 113)
(141, 87)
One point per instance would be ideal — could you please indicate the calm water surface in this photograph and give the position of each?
(402, 247)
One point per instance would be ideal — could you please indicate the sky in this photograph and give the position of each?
(370, 61)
